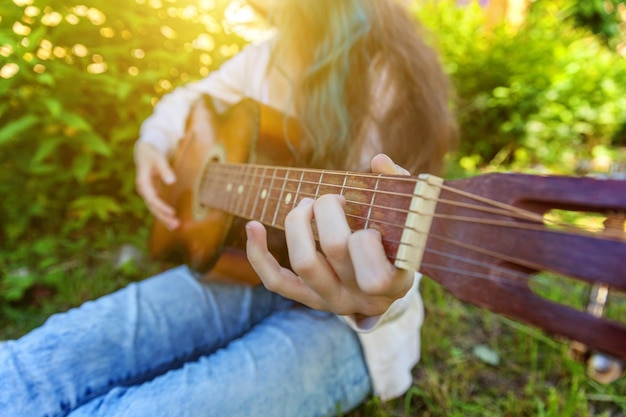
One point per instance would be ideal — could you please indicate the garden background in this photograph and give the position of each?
(541, 88)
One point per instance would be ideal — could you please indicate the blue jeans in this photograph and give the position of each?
(171, 346)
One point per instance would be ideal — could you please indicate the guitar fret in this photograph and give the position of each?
(369, 211)
(269, 194)
(284, 203)
(230, 189)
(238, 188)
(236, 193)
(280, 199)
(260, 191)
(208, 191)
(343, 185)
(319, 183)
(218, 184)
(295, 200)
(247, 189)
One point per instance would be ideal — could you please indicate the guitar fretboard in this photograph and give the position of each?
(268, 194)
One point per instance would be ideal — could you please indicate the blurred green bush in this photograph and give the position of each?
(549, 95)
(77, 80)
(76, 83)
(603, 17)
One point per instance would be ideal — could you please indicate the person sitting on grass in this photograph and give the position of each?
(315, 340)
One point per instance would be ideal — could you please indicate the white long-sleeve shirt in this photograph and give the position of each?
(391, 342)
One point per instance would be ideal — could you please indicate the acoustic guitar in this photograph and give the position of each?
(482, 238)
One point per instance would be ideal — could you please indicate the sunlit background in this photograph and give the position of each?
(540, 88)
(237, 17)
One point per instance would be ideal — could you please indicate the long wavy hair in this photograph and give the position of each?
(340, 49)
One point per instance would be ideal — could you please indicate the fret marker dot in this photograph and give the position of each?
(229, 187)
(240, 189)
(263, 194)
(288, 198)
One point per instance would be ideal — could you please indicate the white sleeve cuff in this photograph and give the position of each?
(395, 310)
(158, 140)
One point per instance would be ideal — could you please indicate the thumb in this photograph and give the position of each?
(383, 164)
(164, 170)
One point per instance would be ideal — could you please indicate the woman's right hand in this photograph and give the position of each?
(152, 165)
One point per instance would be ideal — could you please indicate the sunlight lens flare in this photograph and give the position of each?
(246, 22)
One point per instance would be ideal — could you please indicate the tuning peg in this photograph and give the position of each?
(604, 368)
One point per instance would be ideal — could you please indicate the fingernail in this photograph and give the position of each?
(250, 229)
(402, 170)
(306, 201)
(375, 233)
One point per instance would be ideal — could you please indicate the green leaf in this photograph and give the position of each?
(124, 90)
(101, 207)
(76, 121)
(17, 227)
(9, 40)
(3, 108)
(6, 85)
(44, 169)
(82, 166)
(96, 143)
(124, 132)
(46, 79)
(54, 106)
(45, 149)
(14, 128)
(16, 284)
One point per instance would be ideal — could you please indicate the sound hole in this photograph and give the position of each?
(216, 155)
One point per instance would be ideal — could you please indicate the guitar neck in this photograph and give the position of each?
(399, 207)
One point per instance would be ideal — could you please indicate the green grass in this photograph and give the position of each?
(535, 375)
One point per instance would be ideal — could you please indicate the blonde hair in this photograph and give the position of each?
(332, 44)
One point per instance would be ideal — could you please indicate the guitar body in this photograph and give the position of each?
(211, 242)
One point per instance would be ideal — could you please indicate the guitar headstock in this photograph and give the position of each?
(489, 239)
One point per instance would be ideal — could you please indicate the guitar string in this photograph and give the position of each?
(519, 214)
(470, 219)
(515, 274)
(502, 208)
(506, 209)
(498, 272)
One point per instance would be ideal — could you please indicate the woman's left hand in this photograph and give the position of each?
(351, 274)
